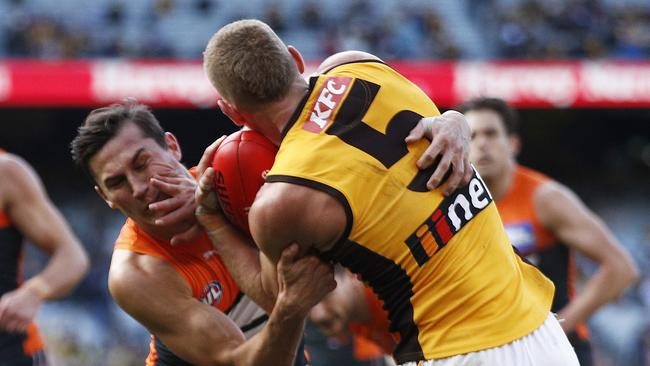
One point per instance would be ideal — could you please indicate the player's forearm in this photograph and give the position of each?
(242, 260)
(608, 282)
(68, 264)
(278, 342)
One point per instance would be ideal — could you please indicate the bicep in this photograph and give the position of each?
(162, 302)
(285, 213)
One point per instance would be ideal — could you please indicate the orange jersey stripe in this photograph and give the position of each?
(518, 206)
(33, 343)
(377, 340)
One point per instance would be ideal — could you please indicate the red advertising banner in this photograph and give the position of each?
(609, 84)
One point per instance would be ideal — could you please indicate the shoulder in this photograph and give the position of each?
(554, 203)
(530, 176)
(22, 179)
(15, 169)
(132, 277)
(344, 58)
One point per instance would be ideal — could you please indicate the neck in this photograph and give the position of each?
(272, 119)
(165, 233)
(500, 184)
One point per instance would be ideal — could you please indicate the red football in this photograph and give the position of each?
(241, 163)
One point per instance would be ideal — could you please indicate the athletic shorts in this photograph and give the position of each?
(546, 346)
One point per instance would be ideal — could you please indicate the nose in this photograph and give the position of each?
(480, 141)
(139, 187)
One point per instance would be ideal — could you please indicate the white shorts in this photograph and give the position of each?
(546, 346)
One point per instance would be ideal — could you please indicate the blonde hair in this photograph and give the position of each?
(248, 64)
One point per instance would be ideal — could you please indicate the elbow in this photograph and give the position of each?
(79, 262)
(84, 264)
(633, 273)
(625, 272)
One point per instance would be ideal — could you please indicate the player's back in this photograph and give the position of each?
(444, 267)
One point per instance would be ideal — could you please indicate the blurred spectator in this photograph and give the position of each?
(274, 17)
(531, 29)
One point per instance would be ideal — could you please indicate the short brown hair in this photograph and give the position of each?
(248, 64)
(102, 124)
(499, 106)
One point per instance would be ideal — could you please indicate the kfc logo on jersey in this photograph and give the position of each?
(329, 98)
(212, 293)
(453, 213)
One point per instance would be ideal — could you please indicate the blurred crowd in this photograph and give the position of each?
(574, 29)
(414, 29)
(90, 329)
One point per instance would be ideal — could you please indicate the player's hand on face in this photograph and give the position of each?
(449, 134)
(180, 205)
(17, 309)
(303, 282)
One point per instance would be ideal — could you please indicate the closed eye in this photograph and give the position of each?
(114, 182)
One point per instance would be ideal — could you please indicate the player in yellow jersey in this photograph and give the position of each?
(345, 183)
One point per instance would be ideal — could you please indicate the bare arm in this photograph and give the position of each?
(201, 334)
(562, 212)
(238, 252)
(285, 213)
(31, 211)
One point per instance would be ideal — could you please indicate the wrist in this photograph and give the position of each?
(37, 287)
(289, 311)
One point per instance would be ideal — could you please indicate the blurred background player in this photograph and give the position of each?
(353, 311)
(27, 213)
(547, 222)
(204, 315)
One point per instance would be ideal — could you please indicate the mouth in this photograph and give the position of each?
(484, 160)
(159, 197)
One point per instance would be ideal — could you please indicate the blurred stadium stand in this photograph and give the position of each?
(579, 70)
(411, 29)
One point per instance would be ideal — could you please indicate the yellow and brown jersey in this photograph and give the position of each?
(534, 241)
(443, 266)
(15, 348)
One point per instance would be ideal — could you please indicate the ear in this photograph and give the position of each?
(515, 144)
(174, 147)
(231, 112)
(103, 196)
(297, 57)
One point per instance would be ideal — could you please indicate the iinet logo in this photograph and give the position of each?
(329, 97)
(453, 213)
